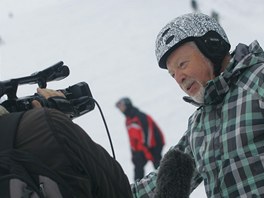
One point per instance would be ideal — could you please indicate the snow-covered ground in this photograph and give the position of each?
(110, 45)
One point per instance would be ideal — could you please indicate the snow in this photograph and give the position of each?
(110, 45)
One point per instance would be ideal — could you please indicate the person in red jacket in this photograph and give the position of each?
(146, 138)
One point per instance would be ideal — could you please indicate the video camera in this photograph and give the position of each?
(78, 99)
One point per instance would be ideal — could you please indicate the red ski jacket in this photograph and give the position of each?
(144, 134)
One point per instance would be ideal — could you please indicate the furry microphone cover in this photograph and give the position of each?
(174, 176)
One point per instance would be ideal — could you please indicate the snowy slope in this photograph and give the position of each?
(110, 45)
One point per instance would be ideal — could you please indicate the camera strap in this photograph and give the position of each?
(9, 123)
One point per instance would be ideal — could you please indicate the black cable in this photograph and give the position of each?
(109, 137)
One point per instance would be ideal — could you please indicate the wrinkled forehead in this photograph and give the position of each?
(186, 50)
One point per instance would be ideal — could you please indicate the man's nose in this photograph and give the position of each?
(179, 77)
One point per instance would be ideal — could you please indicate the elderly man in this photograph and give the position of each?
(224, 138)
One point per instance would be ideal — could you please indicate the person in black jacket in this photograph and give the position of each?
(67, 149)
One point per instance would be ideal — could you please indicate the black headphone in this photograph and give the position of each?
(214, 47)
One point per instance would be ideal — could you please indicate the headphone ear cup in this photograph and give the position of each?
(213, 44)
(214, 47)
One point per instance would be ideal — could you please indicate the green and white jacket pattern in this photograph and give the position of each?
(225, 135)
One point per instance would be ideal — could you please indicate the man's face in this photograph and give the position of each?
(191, 70)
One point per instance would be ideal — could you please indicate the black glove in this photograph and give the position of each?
(174, 176)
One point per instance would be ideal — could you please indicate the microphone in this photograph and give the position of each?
(174, 175)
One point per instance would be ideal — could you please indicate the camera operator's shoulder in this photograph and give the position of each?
(45, 115)
(43, 121)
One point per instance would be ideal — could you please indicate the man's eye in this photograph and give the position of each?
(172, 75)
(183, 64)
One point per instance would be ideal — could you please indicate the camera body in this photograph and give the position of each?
(78, 97)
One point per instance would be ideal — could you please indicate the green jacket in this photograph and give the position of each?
(225, 135)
